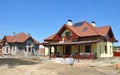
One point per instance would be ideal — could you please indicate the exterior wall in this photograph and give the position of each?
(6, 49)
(60, 50)
(20, 49)
(74, 49)
(101, 49)
(94, 48)
(63, 34)
(98, 48)
(0, 49)
(46, 51)
(82, 48)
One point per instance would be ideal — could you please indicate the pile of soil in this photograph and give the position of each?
(31, 67)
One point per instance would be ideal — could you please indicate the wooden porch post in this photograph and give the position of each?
(78, 55)
(91, 54)
(50, 53)
(78, 48)
(63, 52)
(55, 47)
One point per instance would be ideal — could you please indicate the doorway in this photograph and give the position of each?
(67, 50)
(87, 48)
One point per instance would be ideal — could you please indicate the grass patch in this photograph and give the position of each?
(119, 72)
(112, 62)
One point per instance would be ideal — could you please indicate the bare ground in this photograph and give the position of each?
(33, 67)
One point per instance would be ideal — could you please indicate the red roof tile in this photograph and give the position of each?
(22, 37)
(50, 37)
(103, 30)
(83, 30)
(0, 40)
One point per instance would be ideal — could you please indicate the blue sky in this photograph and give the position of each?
(41, 18)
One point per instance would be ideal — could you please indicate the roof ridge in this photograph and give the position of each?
(104, 26)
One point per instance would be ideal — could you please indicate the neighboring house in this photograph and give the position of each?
(42, 51)
(0, 46)
(81, 38)
(116, 51)
(116, 48)
(20, 44)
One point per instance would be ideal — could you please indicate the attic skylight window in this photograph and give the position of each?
(84, 29)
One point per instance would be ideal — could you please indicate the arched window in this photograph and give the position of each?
(105, 49)
(7, 50)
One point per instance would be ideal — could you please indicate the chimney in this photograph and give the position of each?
(70, 22)
(14, 34)
(93, 23)
(29, 34)
(15, 37)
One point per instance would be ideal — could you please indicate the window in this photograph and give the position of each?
(7, 50)
(110, 50)
(20, 48)
(25, 49)
(105, 49)
(29, 49)
(29, 42)
(67, 34)
(84, 29)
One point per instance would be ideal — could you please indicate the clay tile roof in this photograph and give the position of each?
(103, 30)
(9, 38)
(21, 37)
(50, 37)
(0, 40)
(83, 30)
(37, 42)
(87, 30)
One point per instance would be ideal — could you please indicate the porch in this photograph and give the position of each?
(77, 50)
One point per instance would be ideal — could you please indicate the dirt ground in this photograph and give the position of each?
(34, 67)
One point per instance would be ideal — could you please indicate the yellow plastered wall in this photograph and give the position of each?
(60, 50)
(101, 49)
(94, 47)
(82, 48)
(74, 49)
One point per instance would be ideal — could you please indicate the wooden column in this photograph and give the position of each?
(63, 50)
(50, 53)
(55, 51)
(78, 48)
(55, 47)
(78, 55)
